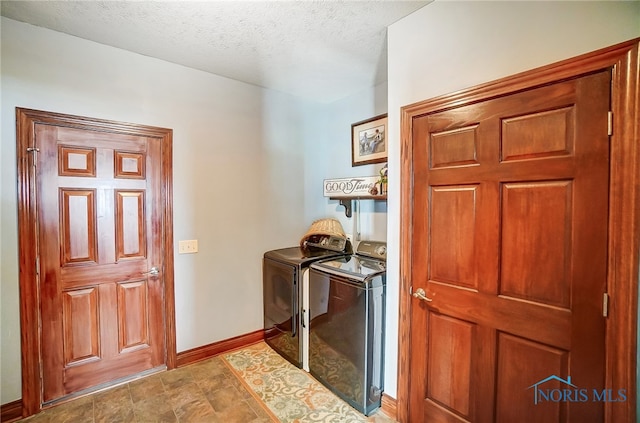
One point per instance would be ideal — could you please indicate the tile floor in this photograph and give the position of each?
(206, 392)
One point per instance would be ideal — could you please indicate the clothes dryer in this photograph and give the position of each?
(285, 299)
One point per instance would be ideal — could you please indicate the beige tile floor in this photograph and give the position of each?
(206, 392)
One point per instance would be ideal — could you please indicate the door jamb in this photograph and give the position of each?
(624, 209)
(26, 119)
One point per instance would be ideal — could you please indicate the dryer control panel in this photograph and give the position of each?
(373, 249)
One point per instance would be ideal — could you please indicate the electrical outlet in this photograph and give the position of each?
(188, 246)
(349, 237)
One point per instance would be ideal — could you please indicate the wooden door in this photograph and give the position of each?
(100, 214)
(510, 245)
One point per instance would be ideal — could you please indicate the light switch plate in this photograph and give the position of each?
(188, 246)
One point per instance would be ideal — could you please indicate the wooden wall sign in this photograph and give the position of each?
(349, 187)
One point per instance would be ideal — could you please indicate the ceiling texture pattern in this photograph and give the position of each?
(319, 50)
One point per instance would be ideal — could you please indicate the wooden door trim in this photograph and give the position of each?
(624, 208)
(26, 119)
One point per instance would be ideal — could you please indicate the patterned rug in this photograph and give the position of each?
(290, 394)
(331, 365)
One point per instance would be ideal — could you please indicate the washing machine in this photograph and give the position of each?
(346, 324)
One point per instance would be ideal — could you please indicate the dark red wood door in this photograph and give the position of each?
(100, 251)
(509, 244)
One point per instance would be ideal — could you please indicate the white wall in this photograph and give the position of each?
(448, 46)
(238, 172)
(328, 155)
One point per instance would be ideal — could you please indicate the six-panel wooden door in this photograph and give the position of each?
(100, 228)
(510, 245)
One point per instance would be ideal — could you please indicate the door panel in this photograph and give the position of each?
(536, 229)
(514, 369)
(451, 341)
(132, 315)
(453, 213)
(99, 202)
(130, 224)
(509, 241)
(80, 311)
(452, 148)
(78, 231)
(538, 135)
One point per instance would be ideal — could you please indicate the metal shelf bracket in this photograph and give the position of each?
(347, 203)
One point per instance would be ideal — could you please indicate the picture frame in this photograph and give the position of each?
(369, 142)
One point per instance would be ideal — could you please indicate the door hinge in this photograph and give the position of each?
(605, 305)
(35, 151)
(610, 123)
(38, 265)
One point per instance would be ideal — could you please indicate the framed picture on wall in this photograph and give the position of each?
(369, 141)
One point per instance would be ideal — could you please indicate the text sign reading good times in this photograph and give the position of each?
(349, 187)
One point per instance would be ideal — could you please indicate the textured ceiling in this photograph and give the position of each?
(320, 50)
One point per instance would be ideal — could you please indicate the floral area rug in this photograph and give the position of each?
(291, 394)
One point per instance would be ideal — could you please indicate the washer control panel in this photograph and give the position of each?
(328, 242)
